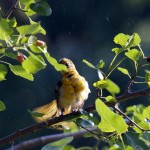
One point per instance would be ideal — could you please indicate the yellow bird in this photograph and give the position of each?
(71, 92)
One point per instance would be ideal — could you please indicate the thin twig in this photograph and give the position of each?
(30, 144)
(125, 116)
(12, 8)
(33, 128)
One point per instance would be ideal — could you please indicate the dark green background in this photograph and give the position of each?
(77, 29)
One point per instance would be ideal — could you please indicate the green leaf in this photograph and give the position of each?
(133, 54)
(134, 40)
(40, 28)
(101, 64)
(11, 55)
(145, 136)
(110, 99)
(110, 121)
(100, 84)
(147, 77)
(133, 139)
(55, 64)
(2, 50)
(137, 39)
(58, 145)
(35, 114)
(20, 71)
(112, 87)
(25, 2)
(117, 50)
(5, 29)
(124, 71)
(121, 39)
(2, 106)
(35, 49)
(146, 112)
(84, 122)
(41, 8)
(109, 85)
(88, 63)
(31, 29)
(3, 72)
(68, 147)
(32, 39)
(33, 63)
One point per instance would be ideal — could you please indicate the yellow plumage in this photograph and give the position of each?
(71, 92)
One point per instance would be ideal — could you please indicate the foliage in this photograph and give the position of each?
(30, 55)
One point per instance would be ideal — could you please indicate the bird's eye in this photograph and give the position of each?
(67, 65)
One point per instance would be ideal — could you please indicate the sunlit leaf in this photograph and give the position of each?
(33, 63)
(117, 50)
(35, 114)
(2, 50)
(137, 39)
(147, 77)
(124, 71)
(32, 39)
(68, 147)
(2, 106)
(25, 2)
(41, 8)
(3, 72)
(55, 64)
(5, 29)
(110, 121)
(88, 64)
(133, 54)
(109, 85)
(58, 145)
(39, 27)
(35, 48)
(110, 99)
(146, 112)
(112, 87)
(101, 64)
(20, 71)
(100, 84)
(12, 22)
(31, 29)
(121, 39)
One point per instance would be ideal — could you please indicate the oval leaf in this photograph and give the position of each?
(2, 106)
(20, 71)
(88, 64)
(41, 8)
(3, 72)
(124, 71)
(53, 62)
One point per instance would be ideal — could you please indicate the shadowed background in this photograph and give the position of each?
(77, 30)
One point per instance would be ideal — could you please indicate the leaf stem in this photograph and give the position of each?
(122, 142)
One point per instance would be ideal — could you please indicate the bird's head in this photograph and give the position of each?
(69, 64)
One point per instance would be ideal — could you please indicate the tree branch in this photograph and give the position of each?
(33, 128)
(30, 144)
(13, 6)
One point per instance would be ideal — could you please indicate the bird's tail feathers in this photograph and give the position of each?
(49, 110)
